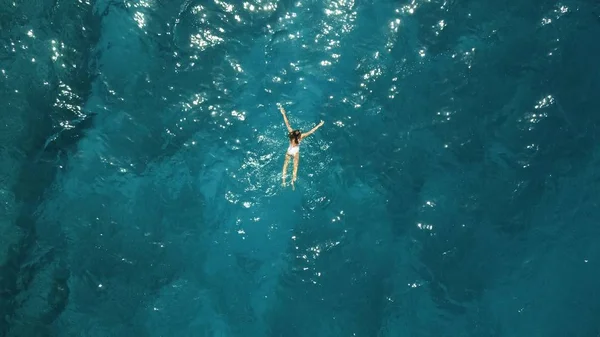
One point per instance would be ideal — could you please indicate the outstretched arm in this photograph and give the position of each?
(304, 135)
(287, 123)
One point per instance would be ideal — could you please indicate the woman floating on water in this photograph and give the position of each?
(294, 149)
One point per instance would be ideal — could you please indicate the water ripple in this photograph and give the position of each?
(152, 131)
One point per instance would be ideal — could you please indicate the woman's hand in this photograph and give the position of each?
(321, 123)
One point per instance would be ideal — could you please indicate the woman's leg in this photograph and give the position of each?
(295, 172)
(286, 161)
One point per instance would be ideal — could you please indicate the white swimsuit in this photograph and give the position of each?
(293, 150)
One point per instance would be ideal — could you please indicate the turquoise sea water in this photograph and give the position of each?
(453, 190)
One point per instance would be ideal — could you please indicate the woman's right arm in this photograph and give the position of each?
(304, 135)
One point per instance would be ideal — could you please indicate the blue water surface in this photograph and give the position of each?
(453, 190)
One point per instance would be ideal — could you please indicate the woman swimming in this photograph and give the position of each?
(293, 150)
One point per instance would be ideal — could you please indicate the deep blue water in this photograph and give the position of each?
(453, 190)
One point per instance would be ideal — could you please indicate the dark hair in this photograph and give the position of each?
(295, 136)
